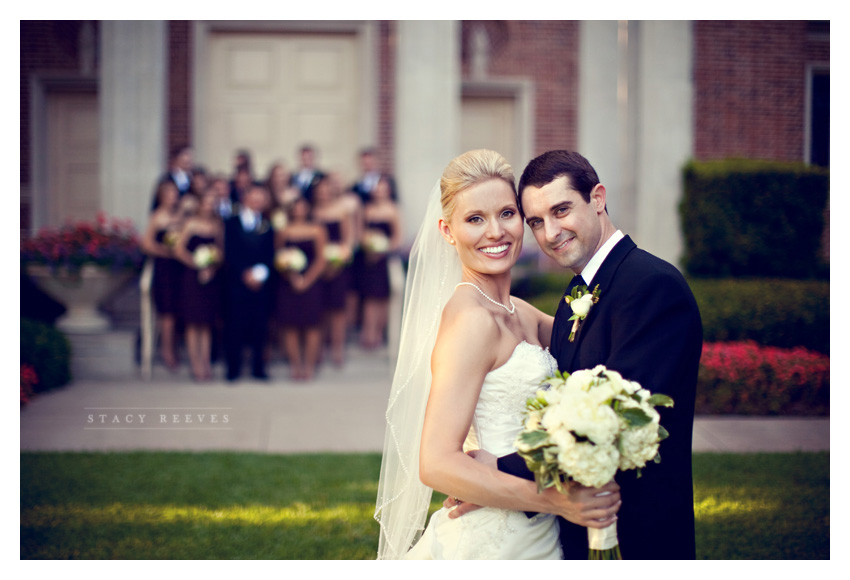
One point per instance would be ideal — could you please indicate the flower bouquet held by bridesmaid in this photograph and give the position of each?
(300, 261)
(200, 248)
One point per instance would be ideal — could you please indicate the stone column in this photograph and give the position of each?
(665, 140)
(604, 128)
(133, 115)
(427, 123)
(636, 123)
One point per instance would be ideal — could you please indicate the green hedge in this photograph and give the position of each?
(754, 218)
(48, 351)
(772, 312)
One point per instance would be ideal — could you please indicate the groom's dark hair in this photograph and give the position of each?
(551, 165)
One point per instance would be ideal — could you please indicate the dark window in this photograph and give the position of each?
(820, 119)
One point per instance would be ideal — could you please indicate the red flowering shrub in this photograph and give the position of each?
(28, 379)
(750, 379)
(108, 243)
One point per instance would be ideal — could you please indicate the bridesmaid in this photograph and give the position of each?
(201, 248)
(382, 219)
(158, 242)
(334, 214)
(300, 292)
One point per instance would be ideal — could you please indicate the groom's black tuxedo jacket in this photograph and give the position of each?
(647, 327)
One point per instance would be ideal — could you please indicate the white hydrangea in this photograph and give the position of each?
(590, 465)
(638, 446)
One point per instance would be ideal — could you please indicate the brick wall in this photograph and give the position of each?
(386, 94)
(546, 52)
(750, 84)
(179, 83)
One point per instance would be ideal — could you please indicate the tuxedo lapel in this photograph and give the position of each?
(604, 278)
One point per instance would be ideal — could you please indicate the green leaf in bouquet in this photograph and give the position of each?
(657, 458)
(662, 433)
(534, 439)
(635, 417)
(659, 400)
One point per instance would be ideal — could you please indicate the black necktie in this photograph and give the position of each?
(576, 281)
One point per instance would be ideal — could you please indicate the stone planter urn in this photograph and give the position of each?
(81, 293)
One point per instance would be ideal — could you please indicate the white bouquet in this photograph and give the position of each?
(206, 255)
(335, 255)
(585, 427)
(376, 242)
(290, 260)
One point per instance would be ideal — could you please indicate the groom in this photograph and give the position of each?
(646, 326)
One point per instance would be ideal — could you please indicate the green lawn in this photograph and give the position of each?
(250, 506)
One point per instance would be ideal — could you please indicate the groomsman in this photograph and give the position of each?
(371, 175)
(180, 163)
(249, 256)
(307, 175)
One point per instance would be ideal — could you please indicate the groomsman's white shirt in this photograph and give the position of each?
(181, 178)
(250, 221)
(595, 262)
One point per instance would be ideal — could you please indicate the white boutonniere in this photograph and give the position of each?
(580, 301)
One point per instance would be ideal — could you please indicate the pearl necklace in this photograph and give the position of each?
(510, 310)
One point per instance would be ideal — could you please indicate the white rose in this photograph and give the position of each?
(580, 380)
(581, 306)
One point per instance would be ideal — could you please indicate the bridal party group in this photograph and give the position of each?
(291, 264)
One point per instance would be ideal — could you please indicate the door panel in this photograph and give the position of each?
(488, 123)
(272, 93)
(73, 178)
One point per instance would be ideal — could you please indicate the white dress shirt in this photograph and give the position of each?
(595, 262)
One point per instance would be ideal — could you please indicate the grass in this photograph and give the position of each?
(153, 505)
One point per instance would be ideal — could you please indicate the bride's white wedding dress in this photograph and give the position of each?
(489, 533)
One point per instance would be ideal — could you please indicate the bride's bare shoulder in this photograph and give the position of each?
(464, 319)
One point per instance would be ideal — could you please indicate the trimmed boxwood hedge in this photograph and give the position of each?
(48, 351)
(772, 312)
(754, 218)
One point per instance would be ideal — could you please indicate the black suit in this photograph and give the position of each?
(306, 188)
(647, 327)
(246, 311)
(363, 188)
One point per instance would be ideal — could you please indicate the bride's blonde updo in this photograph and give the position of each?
(469, 169)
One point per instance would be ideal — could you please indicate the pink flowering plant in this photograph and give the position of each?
(28, 380)
(109, 243)
(748, 378)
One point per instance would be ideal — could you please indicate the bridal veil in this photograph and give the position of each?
(433, 271)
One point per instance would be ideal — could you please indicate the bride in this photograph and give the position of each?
(470, 356)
